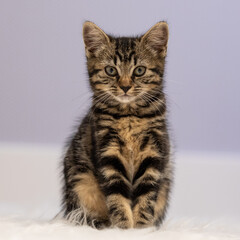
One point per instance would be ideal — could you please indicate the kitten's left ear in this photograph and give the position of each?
(156, 38)
(94, 38)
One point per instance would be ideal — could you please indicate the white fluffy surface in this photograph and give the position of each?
(11, 229)
(36, 195)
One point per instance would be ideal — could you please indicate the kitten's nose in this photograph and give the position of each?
(125, 89)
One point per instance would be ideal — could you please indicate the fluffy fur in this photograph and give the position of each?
(187, 230)
(117, 168)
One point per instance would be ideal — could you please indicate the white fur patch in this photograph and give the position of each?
(60, 230)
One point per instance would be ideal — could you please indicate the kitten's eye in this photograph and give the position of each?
(139, 71)
(111, 71)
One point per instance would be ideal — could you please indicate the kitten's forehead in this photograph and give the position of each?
(125, 44)
(125, 48)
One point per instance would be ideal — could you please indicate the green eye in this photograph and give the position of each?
(139, 71)
(111, 71)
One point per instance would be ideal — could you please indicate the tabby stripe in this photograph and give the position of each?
(114, 162)
(144, 143)
(115, 60)
(119, 55)
(143, 105)
(160, 128)
(114, 177)
(160, 143)
(135, 60)
(153, 197)
(93, 143)
(149, 178)
(117, 44)
(130, 55)
(70, 206)
(140, 223)
(115, 211)
(149, 162)
(118, 116)
(144, 188)
(93, 72)
(157, 71)
(75, 149)
(123, 218)
(132, 44)
(99, 82)
(82, 168)
(103, 127)
(156, 96)
(125, 44)
(108, 137)
(142, 215)
(151, 209)
(113, 208)
(119, 187)
(153, 82)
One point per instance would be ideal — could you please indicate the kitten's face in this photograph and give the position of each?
(125, 69)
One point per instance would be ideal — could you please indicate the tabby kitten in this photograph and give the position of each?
(117, 168)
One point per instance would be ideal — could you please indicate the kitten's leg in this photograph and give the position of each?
(150, 194)
(116, 187)
(91, 199)
(162, 202)
(84, 201)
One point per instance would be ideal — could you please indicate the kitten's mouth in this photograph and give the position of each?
(125, 98)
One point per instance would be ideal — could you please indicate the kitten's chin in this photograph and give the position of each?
(125, 98)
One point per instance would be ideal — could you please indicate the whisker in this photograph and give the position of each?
(154, 97)
(103, 100)
(94, 105)
(80, 97)
(168, 98)
(146, 98)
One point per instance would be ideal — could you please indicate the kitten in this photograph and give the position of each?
(117, 168)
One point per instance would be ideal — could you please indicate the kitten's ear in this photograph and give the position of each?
(156, 38)
(94, 38)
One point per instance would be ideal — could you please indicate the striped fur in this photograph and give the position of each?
(117, 166)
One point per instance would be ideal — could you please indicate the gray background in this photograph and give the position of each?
(43, 80)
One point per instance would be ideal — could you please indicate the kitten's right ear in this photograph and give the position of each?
(94, 38)
(156, 38)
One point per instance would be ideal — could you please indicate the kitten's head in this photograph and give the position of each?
(125, 69)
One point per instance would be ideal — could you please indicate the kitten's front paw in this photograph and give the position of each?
(142, 219)
(123, 223)
(122, 218)
(101, 223)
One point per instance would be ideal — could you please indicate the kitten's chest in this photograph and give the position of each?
(131, 131)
